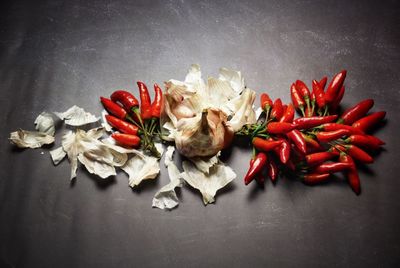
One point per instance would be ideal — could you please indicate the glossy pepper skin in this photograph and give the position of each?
(334, 106)
(277, 110)
(327, 136)
(265, 145)
(122, 125)
(272, 170)
(322, 82)
(336, 126)
(319, 93)
(279, 127)
(145, 102)
(358, 154)
(126, 99)
(334, 86)
(365, 141)
(366, 123)
(288, 115)
(314, 121)
(304, 91)
(319, 158)
(297, 99)
(315, 178)
(157, 102)
(259, 162)
(126, 139)
(283, 151)
(356, 112)
(352, 174)
(332, 167)
(113, 108)
(266, 102)
(297, 138)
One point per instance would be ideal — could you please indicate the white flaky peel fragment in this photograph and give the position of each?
(208, 184)
(45, 124)
(30, 139)
(76, 116)
(104, 122)
(205, 163)
(166, 197)
(141, 167)
(201, 117)
(57, 155)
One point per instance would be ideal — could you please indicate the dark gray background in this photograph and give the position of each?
(54, 54)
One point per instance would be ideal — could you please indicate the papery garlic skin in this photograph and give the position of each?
(196, 113)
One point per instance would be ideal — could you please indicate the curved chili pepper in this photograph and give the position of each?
(255, 168)
(364, 141)
(356, 112)
(332, 167)
(113, 108)
(334, 86)
(145, 102)
(272, 170)
(336, 126)
(126, 99)
(304, 91)
(319, 93)
(369, 121)
(326, 136)
(313, 143)
(297, 100)
(266, 103)
(322, 82)
(279, 127)
(352, 174)
(314, 121)
(358, 154)
(298, 139)
(335, 104)
(122, 125)
(259, 178)
(277, 109)
(157, 102)
(319, 158)
(376, 140)
(283, 151)
(265, 145)
(288, 116)
(126, 139)
(315, 178)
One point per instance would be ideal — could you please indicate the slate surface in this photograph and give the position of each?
(55, 54)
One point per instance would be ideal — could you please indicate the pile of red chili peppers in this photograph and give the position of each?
(317, 144)
(137, 124)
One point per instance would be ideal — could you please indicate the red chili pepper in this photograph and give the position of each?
(356, 112)
(314, 121)
(313, 143)
(315, 178)
(376, 140)
(298, 139)
(332, 167)
(259, 178)
(145, 102)
(319, 158)
(113, 108)
(121, 125)
(334, 86)
(283, 151)
(335, 104)
(358, 154)
(279, 127)
(297, 99)
(364, 141)
(126, 139)
(266, 102)
(277, 109)
(126, 99)
(322, 82)
(369, 121)
(327, 136)
(157, 102)
(336, 126)
(258, 163)
(303, 89)
(288, 116)
(272, 170)
(265, 145)
(319, 94)
(352, 174)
